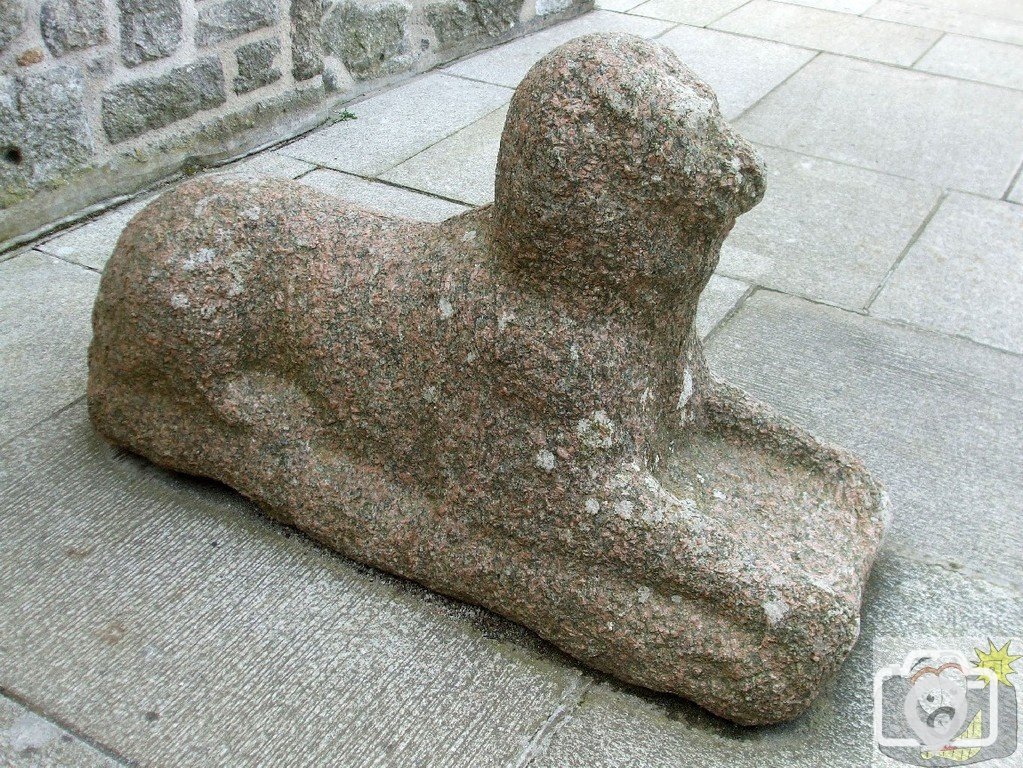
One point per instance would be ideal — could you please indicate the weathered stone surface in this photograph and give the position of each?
(371, 40)
(150, 29)
(12, 20)
(44, 135)
(231, 18)
(29, 57)
(548, 7)
(70, 25)
(454, 22)
(132, 108)
(620, 6)
(256, 66)
(513, 407)
(306, 41)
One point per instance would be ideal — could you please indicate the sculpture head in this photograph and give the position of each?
(616, 168)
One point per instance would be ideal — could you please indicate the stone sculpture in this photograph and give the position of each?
(512, 407)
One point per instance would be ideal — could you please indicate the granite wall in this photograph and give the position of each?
(100, 98)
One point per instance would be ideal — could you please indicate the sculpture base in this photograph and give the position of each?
(741, 593)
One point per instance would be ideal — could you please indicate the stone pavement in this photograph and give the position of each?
(874, 297)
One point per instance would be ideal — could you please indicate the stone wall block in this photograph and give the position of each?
(133, 108)
(44, 135)
(231, 18)
(256, 67)
(369, 40)
(12, 20)
(549, 7)
(306, 40)
(71, 25)
(150, 29)
(55, 160)
(454, 22)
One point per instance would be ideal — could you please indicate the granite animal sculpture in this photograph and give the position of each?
(511, 407)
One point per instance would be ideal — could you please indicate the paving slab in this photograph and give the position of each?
(829, 31)
(946, 132)
(855, 7)
(166, 618)
(92, 243)
(30, 741)
(938, 419)
(45, 327)
(395, 125)
(272, 164)
(720, 297)
(614, 726)
(825, 230)
(620, 6)
(384, 198)
(948, 20)
(507, 64)
(461, 167)
(983, 60)
(1009, 10)
(964, 275)
(695, 12)
(740, 70)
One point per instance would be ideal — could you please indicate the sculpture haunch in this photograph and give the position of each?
(512, 407)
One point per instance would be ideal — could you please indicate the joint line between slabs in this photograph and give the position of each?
(740, 302)
(905, 251)
(557, 719)
(36, 425)
(892, 322)
(777, 87)
(872, 7)
(727, 13)
(968, 573)
(59, 722)
(929, 48)
(1012, 183)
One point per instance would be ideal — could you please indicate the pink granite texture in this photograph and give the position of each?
(511, 407)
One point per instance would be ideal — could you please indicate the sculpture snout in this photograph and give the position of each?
(747, 178)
